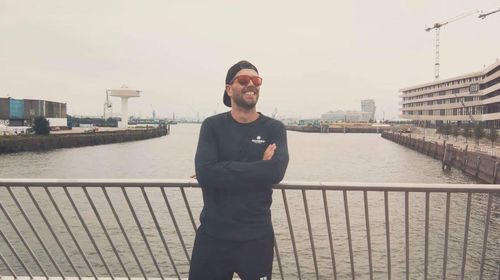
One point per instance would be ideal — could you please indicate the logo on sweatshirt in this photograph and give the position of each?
(263, 278)
(258, 140)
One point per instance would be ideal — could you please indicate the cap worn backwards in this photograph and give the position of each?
(232, 72)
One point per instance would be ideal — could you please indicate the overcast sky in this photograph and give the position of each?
(314, 56)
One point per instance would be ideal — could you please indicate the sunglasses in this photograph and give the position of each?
(244, 80)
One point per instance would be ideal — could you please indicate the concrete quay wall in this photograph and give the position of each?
(347, 129)
(24, 143)
(479, 165)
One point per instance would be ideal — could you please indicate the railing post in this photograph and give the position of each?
(478, 164)
(495, 173)
(444, 154)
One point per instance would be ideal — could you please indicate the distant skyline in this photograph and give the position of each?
(314, 57)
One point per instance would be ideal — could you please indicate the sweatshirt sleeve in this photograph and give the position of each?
(268, 172)
(210, 173)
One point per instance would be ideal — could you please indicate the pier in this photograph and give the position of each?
(25, 143)
(339, 129)
(477, 164)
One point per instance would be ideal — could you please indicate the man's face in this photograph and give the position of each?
(245, 96)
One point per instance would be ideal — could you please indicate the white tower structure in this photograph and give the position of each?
(124, 93)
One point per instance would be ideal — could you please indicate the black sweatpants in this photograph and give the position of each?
(218, 259)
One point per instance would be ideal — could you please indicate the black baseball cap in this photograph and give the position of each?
(232, 72)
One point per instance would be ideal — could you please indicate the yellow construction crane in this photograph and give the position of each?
(437, 27)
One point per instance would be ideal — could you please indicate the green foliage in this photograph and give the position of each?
(455, 131)
(467, 132)
(478, 132)
(440, 129)
(447, 129)
(41, 126)
(492, 136)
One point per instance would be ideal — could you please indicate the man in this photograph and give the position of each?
(240, 155)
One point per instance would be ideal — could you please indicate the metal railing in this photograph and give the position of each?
(145, 228)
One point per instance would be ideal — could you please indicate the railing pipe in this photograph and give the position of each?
(28, 220)
(466, 235)
(105, 230)
(78, 246)
(446, 233)
(277, 251)
(329, 229)
(23, 241)
(124, 232)
(485, 239)
(158, 228)
(368, 237)
(290, 185)
(15, 253)
(387, 234)
(186, 202)
(407, 235)
(85, 227)
(139, 226)
(174, 221)
(426, 258)
(311, 238)
(56, 238)
(349, 238)
(292, 237)
(4, 261)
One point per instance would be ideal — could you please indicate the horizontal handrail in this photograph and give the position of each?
(294, 185)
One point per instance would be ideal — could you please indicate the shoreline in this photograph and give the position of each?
(29, 143)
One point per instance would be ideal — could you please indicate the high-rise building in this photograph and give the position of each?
(368, 109)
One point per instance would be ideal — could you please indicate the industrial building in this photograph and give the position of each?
(20, 112)
(473, 97)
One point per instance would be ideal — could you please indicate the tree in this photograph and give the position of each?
(447, 130)
(41, 126)
(467, 132)
(478, 132)
(440, 130)
(492, 136)
(455, 131)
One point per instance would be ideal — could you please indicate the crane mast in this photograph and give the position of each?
(437, 27)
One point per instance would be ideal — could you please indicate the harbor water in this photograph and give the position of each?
(313, 157)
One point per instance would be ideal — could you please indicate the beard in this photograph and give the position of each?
(239, 98)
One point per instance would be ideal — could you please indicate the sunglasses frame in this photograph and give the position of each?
(251, 78)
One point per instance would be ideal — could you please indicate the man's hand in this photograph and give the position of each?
(269, 152)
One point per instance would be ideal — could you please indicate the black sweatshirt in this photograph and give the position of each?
(235, 181)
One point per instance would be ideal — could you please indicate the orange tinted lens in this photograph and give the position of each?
(243, 80)
(257, 81)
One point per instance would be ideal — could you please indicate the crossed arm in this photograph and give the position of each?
(214, 174)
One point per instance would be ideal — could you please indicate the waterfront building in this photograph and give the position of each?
(339, 115)
(20, 112)
(366, 114)
(473, 97)
(368, 109)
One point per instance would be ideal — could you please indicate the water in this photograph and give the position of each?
(313, 157)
